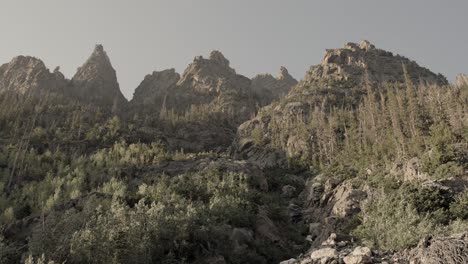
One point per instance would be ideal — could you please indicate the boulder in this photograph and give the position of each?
(289, 261)
(360, 255)
(348, 200)
(324, 253)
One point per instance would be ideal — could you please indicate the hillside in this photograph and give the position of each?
(364, 160)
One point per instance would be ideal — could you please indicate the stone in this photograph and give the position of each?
(324, 253)
(347, 200)
(360, 255)
(289, 261)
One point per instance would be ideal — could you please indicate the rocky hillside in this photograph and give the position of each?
(340, 80)
(365, 160)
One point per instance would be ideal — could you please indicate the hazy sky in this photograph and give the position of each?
(256, 36)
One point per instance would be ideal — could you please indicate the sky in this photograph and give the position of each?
(257, 36)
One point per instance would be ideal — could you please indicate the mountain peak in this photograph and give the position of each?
(96, 80)
(283, 74)
(349, 66)
(25, 74)
(219, 58)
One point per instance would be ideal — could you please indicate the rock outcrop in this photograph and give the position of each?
(213, 82)
(430, 250)
(462, 79)
(339, 80)
(268, 88)
(96, 81)
(209, 84)
(355, 64)
(155, 87)
(25, 74)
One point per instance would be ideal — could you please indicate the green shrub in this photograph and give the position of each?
(390, 223)
(459, 208)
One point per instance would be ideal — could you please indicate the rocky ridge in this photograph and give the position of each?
(155, 87)
(268, 88)
(26, 74)
(355, 64)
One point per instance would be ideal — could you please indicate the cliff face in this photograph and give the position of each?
(25, 74)
(96, 80)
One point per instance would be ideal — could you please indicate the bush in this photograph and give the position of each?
(459, 208)
(390, 223)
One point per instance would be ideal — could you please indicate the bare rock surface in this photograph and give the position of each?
(268, 88)
(24, 74)
(154, 88)
(462, 79)
(354, 64)
(208, 83)
(96, 81)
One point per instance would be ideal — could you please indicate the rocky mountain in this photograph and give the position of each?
(340, 80)
(25, 74)
(355, 64)
(206, 83)
(96, 81)
(268, 88)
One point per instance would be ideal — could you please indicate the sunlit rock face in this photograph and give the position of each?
(353, 64)
(25, 74)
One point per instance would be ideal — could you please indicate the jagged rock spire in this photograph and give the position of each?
(96, 80)
(219, 58)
